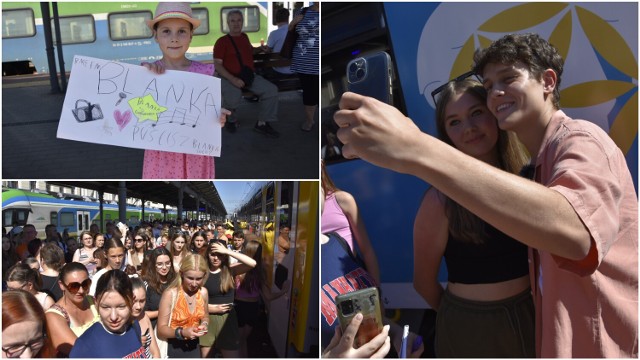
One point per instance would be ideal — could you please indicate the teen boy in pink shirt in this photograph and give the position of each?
(579, 217)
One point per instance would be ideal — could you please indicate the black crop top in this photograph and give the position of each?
(500, 258)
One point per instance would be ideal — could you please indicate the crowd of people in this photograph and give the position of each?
(157, 290)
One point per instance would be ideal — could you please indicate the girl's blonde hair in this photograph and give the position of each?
(191, 262)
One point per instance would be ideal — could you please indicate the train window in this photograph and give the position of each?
(251, 15)
(13, 217)
(7, 218)
(67, 219)
(17, 23)
(53, 217)
(129, 25)
(201, 14)
(76, 29)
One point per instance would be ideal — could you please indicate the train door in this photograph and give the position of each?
(84, 220)
(293, 318)
(282, 270)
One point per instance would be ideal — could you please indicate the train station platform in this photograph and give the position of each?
(30, 149)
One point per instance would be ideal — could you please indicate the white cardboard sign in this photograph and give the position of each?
(127, 105)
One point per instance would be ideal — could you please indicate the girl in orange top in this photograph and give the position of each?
(183, 316)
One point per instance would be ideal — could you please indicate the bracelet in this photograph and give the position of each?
(179, 333)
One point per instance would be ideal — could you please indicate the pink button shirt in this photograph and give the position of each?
(588, 308)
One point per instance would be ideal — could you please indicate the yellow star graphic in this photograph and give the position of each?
(146, 108)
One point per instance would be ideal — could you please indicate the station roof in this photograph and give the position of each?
(163, 192)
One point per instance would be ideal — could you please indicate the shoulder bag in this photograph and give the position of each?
(246, 74)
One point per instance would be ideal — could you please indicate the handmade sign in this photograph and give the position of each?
(128, 105)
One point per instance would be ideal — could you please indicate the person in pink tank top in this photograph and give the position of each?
(341, 214)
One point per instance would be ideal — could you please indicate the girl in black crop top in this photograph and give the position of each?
(487, 270)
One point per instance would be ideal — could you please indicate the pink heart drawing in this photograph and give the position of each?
(122, 119)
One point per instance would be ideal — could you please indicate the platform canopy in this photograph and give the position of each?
(162, 192)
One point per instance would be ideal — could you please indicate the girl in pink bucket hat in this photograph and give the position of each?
(173, 27)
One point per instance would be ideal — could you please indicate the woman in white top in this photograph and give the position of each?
(84, 255)
(23, 277)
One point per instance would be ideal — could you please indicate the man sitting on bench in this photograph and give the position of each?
(231, 54)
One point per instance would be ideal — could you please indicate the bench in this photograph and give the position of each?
(264, 64)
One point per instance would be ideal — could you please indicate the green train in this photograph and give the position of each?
(116, 31)
(20, 207)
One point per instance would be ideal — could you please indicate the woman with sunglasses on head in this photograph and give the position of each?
(178, 249)
(488, 289)
(139, 303)
(135, 257)
(23, 326)
(114, 250)
(23, 277)
(223, 323)
(157, 273)
(74, 313)
(84, 255)
(117, 334)
(183, 315)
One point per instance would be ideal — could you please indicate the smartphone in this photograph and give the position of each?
(371, 75)
(367, 302)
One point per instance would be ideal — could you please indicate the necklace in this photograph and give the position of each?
(189, 299)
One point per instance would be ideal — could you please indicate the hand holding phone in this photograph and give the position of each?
(342, 343)
(366, 302)
(371, 75)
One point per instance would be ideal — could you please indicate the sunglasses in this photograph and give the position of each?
(435, 93)
(139, 240)
(74, 287)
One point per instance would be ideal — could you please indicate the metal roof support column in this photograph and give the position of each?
(142, 216)
(56, 24)
(48, 43)
(122, 202)
(180, 199)
(101, 200)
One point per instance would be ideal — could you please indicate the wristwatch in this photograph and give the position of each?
(179, 333)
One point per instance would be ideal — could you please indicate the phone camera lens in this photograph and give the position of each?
(360, 74)
(347, 307)
(353, 68)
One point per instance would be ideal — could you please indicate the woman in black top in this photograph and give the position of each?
(223, 323)
(157, 273)
(487, 307)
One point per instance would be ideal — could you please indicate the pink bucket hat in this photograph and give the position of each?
(173, 10)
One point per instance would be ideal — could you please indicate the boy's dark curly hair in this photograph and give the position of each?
(534, 52)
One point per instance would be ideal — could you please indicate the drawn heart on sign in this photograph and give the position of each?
(122, 119)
